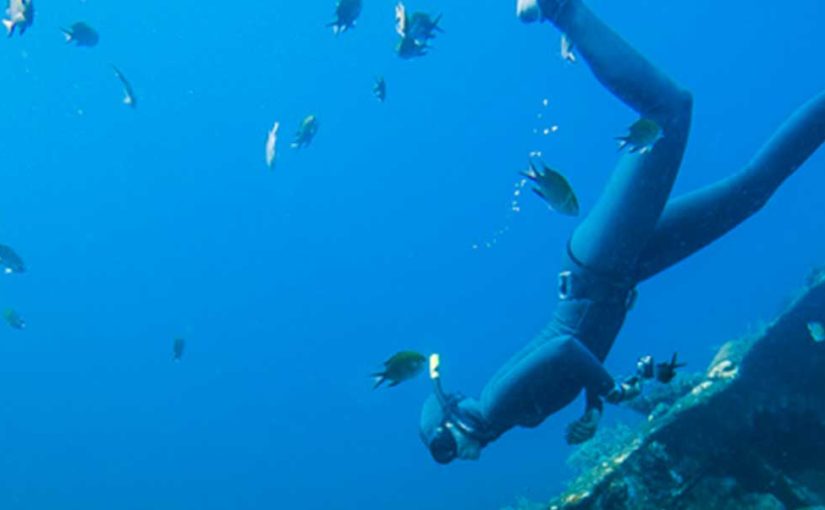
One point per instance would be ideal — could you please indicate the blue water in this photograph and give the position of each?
(292, 285)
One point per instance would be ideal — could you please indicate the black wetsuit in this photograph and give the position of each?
(632, 233)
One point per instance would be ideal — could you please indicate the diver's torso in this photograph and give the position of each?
(543, 377)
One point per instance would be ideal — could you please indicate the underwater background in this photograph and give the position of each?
(393, 230)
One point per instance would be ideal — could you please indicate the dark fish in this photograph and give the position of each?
(81, 34)
(177, 349)
(554, 189)
(380, 89)
(346, 13)
(400, 367)
(14, 319)
(415, 32)
(306, 132)
(642, 136)
(422, 26)
(129, 98)
(10, 262)
(666, 372)
(408, 48)
(19, 15)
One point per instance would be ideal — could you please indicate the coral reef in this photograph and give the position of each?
(748, 433)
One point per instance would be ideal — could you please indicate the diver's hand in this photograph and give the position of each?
(628, 390)
(646, 367)
(584, 428)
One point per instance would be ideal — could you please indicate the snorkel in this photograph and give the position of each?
(435, 377)
(443, 445)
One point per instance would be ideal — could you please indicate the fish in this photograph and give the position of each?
(306, 132)
(178, 347)
(13, 319)
(567, 50)
(400, 19)
(415, 31)
(401, 367)
(666, 372)
(271, 142)
(422, 26)
(642, 136)
(10, 261)
(379, 90)
(129, 98)
(817, 331)
(346, 14)
(81, 34)
(554, 189)
(19, 15)
(408, 48)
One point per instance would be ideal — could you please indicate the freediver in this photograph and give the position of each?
(633, 232)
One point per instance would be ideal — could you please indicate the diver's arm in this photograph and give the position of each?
(585, 427)
(546, 376)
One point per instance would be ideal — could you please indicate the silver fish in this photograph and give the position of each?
(129, 98)
(271, 143)
(19, 15)
(567, 50)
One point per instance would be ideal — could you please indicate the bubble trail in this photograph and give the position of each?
(518, 187)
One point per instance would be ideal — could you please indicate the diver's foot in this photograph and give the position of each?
(530, 11)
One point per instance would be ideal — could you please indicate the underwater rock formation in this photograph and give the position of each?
(747, 434)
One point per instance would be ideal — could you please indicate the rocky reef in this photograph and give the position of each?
(746, 434)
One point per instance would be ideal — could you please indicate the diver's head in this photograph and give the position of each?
(449, 433)
(443, 446)
(450, 443)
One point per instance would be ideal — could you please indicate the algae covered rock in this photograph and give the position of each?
(748, 433)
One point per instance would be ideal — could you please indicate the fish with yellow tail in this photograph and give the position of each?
(553, 188)
(402, 366)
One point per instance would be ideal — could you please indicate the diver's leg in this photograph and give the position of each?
(617, 66)
(695, 220)
(617, 229)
